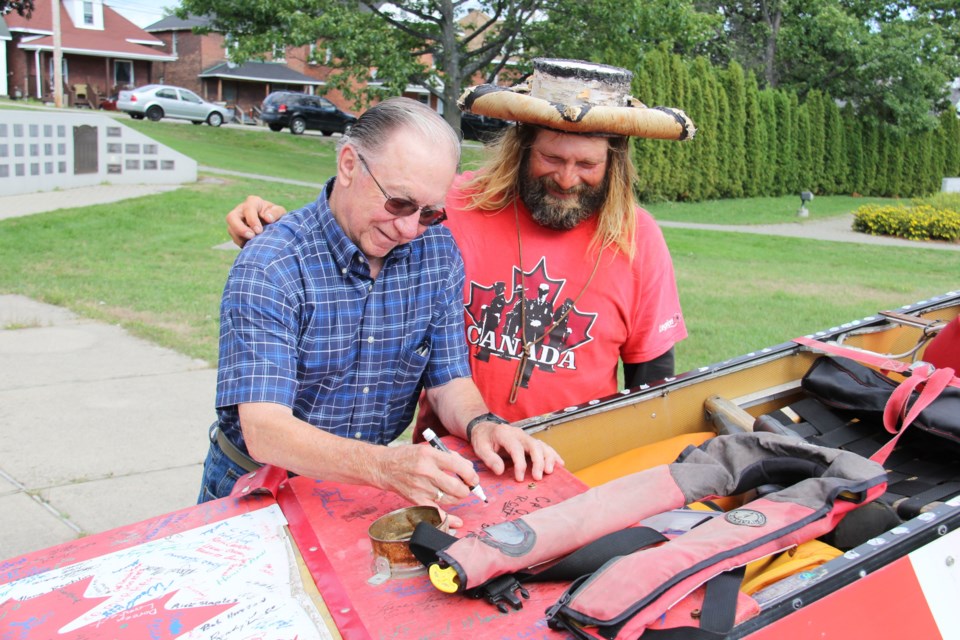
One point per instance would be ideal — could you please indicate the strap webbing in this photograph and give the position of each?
(717, 615)
(896, 410)
(588, 559)
(867, 357)
(880, 361)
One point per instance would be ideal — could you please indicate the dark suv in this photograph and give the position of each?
(301, 112)
(480, 128)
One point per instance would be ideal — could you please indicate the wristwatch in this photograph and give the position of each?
(486, 417)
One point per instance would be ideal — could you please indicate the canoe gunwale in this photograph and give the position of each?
(875, 324)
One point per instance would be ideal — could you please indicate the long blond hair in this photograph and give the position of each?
(496, 185)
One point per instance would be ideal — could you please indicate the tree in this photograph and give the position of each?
(379, 49)
(893, 59)
(444, 45)
(23, 7)
(619, 32)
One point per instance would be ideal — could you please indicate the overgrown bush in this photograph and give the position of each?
(933, 218)
(941, 200)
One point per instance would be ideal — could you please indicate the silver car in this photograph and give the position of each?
(156, 101)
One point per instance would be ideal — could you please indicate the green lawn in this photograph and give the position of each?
(308, 158)
(742, 292)
(151, 264)
(758, 210)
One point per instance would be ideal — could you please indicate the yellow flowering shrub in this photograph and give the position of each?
(934, 218)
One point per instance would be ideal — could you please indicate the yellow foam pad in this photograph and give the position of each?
(764, 572)
(646, 457)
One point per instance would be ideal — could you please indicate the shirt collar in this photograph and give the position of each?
(345, 253)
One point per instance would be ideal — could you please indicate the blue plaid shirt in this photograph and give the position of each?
(303, 324)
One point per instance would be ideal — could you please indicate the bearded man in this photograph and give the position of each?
(553, 213)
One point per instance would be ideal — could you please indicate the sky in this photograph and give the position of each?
(141, 12)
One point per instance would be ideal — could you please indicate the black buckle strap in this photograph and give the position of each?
(502, 591)
(582, 562)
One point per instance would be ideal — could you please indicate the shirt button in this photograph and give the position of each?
(370, 288)
(343, 271)
(370, 339)
(366, 389)
(357, 435)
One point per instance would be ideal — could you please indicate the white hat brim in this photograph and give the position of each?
(640, 121)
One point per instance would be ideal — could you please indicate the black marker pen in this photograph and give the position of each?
(436, 443)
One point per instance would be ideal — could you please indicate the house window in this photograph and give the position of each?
(279, 53)
(123, 73)
(87, 13)
(63, 70)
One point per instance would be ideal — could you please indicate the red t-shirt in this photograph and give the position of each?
(629, 310)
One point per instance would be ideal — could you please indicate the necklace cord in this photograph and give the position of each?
(526, 346)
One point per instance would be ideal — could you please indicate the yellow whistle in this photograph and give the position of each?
(444, 578)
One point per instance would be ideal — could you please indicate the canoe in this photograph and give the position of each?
(292, 557)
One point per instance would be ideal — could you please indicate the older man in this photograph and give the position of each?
(552, 214)
(335, 317)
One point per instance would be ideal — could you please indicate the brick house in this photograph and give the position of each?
(202, 64)
(102, 52)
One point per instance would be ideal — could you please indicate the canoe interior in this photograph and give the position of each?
(758, 383)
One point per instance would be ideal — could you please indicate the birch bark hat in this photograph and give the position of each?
(578, 97)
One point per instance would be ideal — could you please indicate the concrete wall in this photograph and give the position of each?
(43, 151)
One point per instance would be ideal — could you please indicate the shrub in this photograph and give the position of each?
(941, 200)
(934, 218)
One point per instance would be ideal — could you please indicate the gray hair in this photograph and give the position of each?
(376, 124)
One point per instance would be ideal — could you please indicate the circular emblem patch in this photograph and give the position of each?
(746, 518)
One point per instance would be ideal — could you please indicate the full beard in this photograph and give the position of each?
(562, 214)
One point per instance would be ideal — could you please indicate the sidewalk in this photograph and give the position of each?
(837, 229)
(99, 429)
(30, 203)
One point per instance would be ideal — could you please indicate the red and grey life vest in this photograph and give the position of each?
(815, 487)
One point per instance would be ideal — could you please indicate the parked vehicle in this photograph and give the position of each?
(109, 103)
(300, 112)
(156, 101)
(480, 128)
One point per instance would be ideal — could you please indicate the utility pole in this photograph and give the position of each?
(57, 57)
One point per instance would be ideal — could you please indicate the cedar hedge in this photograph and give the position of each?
(770, 142)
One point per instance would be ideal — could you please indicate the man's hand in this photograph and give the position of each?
(458, 402)
(418, 473)
(246, 219)
(492, 442)
(425, 476)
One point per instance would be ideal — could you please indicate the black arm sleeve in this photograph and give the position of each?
(640, 373)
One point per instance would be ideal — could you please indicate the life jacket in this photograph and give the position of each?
(815, 485)
(944, 350)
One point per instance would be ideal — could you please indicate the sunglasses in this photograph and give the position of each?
(401, 207)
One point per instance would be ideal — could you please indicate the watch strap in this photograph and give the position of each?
(485, 417)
